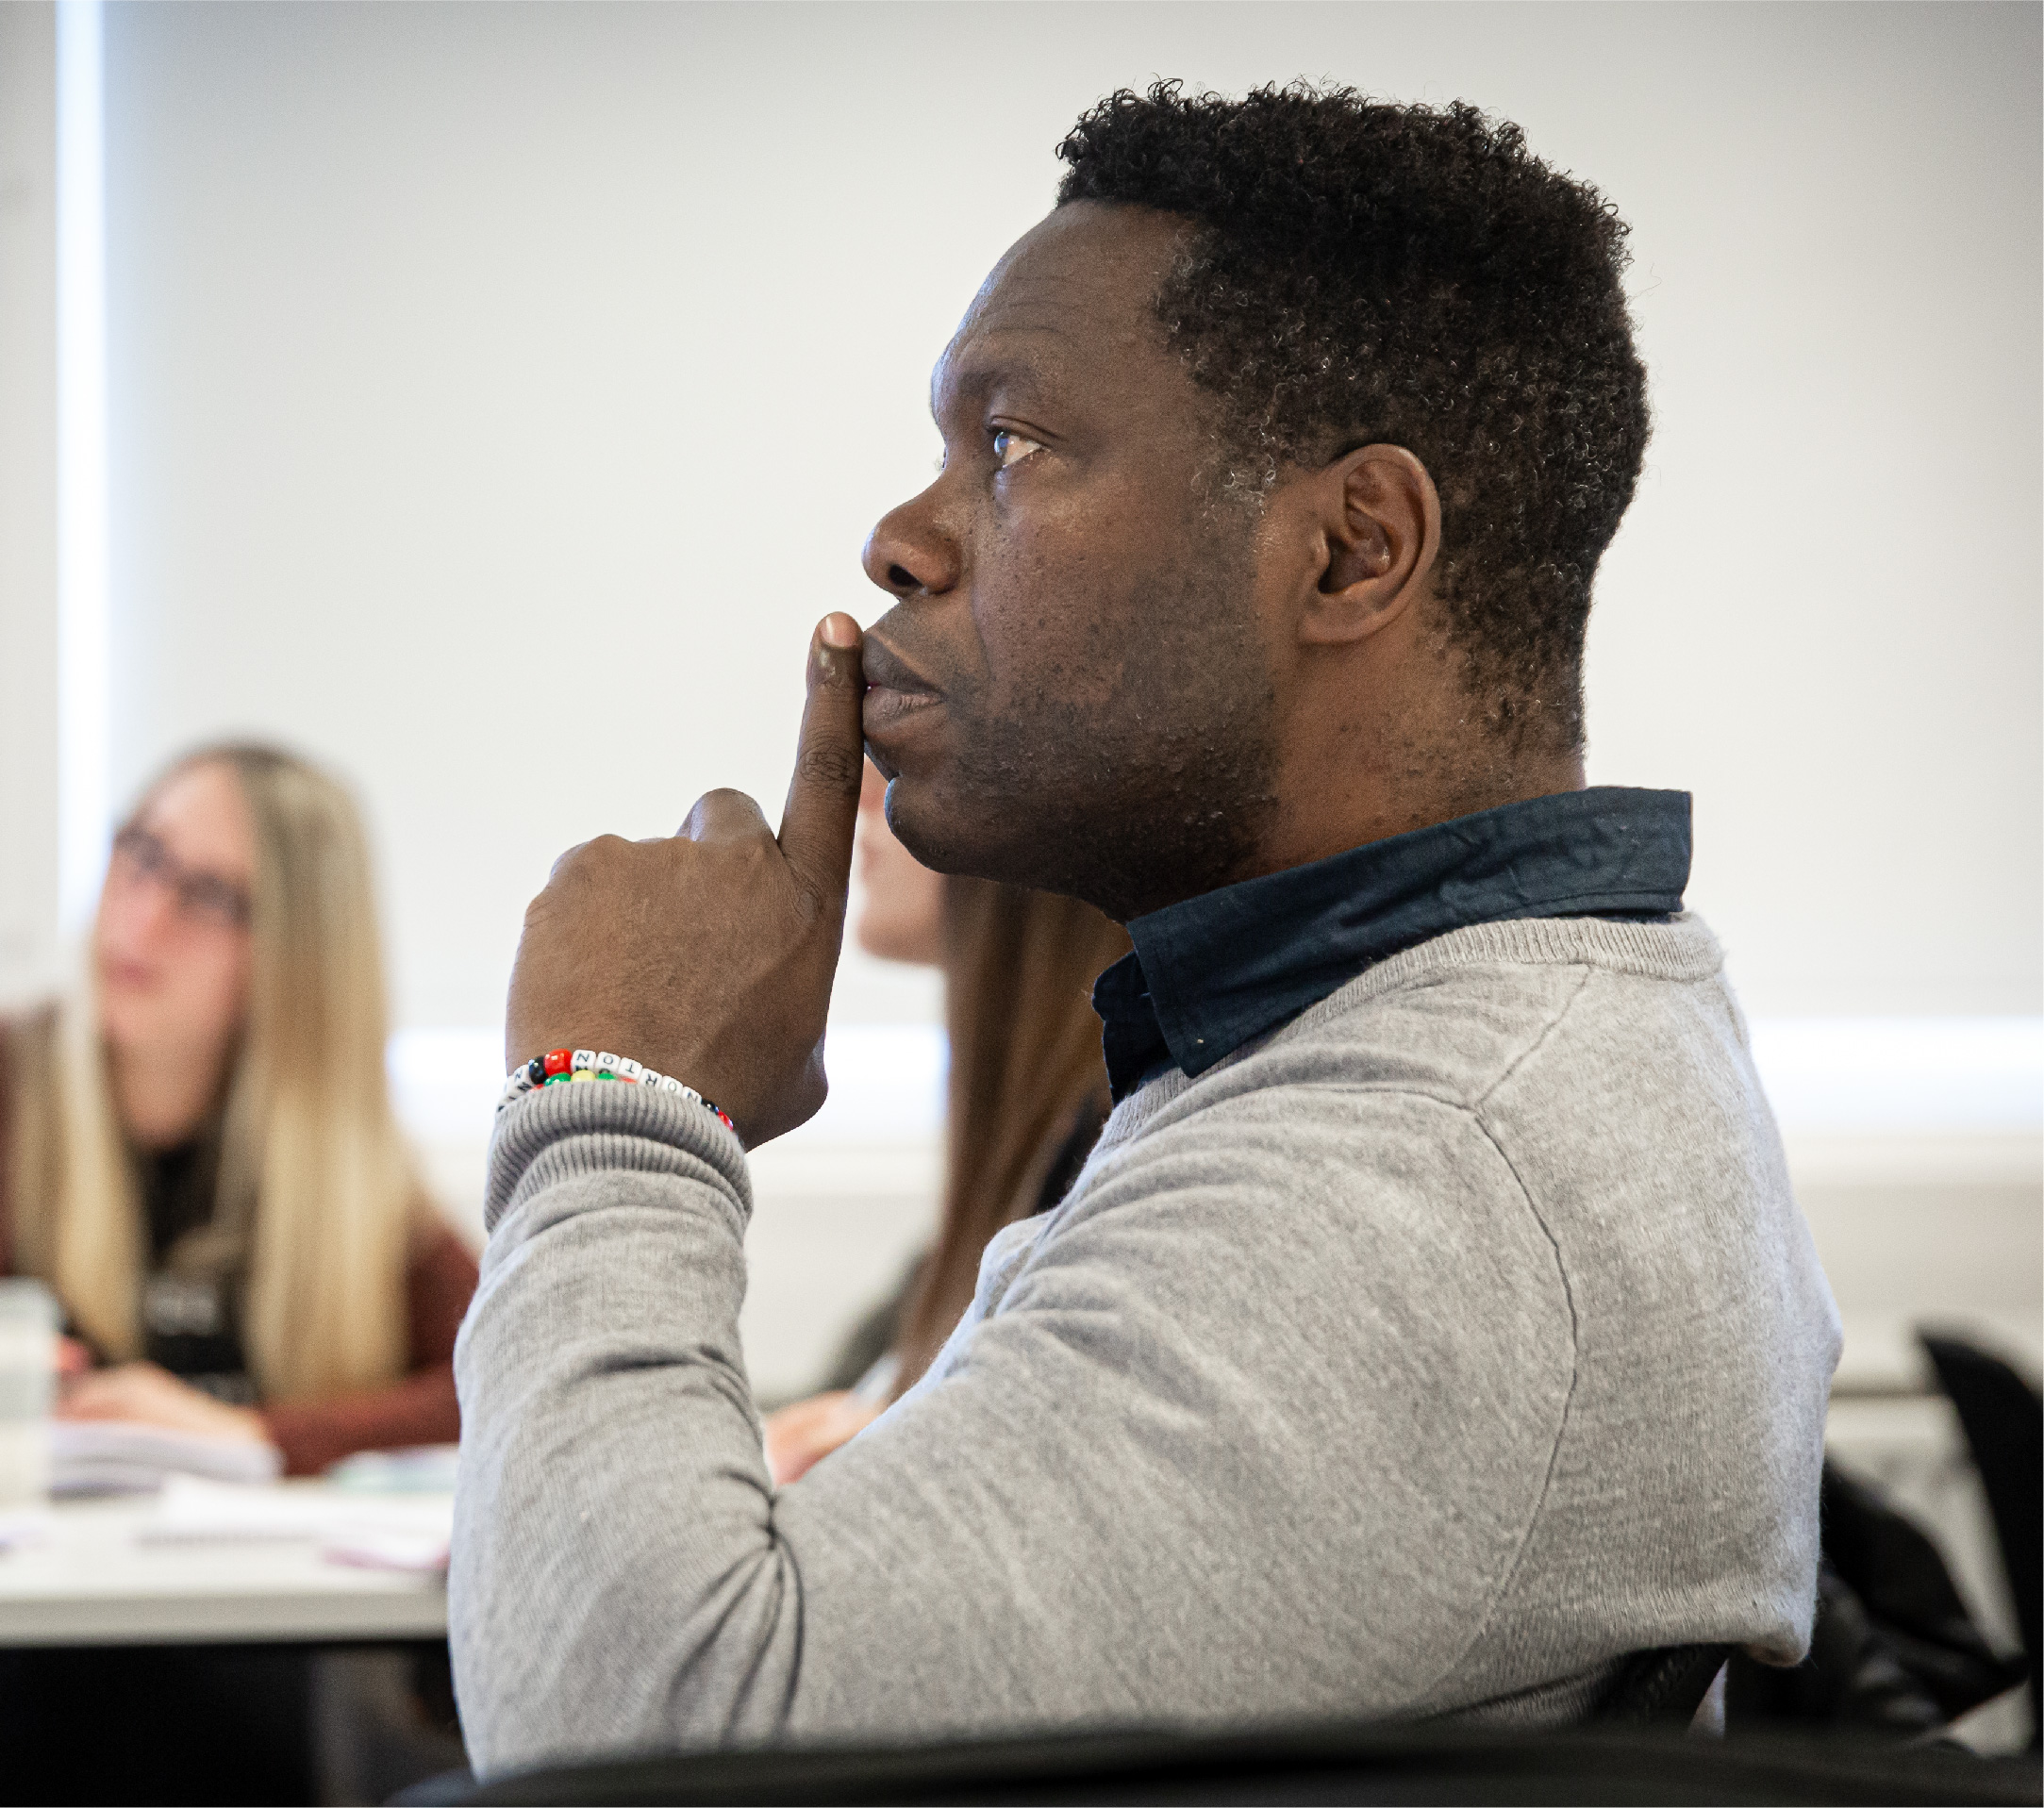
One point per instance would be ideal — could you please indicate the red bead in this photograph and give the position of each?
(557, 1060)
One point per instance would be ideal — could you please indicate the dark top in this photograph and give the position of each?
(191, 1325)
(1216, 972)
(191, 1318)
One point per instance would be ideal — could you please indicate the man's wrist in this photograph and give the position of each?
(582, 1129)
(565, 1067)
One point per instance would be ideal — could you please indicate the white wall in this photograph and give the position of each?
(28, 938)
(500, 393)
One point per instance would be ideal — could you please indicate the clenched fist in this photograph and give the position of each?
(710, 956)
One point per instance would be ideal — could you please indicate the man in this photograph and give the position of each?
(1433, 1325)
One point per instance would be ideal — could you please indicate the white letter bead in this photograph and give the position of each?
(628, 1069)
(585, 1059)
(606, 1062)
(669, 1084)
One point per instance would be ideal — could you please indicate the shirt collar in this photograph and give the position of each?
(1215, 971)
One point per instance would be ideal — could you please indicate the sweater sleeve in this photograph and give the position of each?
(420, 1409)
(1183, 1405)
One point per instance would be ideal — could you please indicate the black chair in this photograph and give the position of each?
(1656, 1692)
(1315, 1763)
(1668, 1689)
(2003, 1420)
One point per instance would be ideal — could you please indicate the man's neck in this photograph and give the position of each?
(1318, 824)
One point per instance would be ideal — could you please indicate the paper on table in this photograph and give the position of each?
(419, 1552)
(404, 1532)
(420, 1469)
(114, 1456)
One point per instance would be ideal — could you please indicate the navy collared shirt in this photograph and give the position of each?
(1218, 971)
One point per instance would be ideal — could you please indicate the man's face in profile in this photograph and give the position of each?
(1073, 691)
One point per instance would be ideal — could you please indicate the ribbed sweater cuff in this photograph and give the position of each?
(567, 1131)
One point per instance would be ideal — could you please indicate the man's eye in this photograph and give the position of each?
(1012, 448)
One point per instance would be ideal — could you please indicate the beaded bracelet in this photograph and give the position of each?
(559, 1067)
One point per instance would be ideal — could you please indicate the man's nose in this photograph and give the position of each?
(910, 551)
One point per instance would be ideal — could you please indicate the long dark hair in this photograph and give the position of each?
(1027, 1081)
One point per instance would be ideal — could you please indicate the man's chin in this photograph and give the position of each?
(919, 821)
(949, 834)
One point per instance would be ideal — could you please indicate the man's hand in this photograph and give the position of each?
(710, 956)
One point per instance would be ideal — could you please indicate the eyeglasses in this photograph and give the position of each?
(199, 897)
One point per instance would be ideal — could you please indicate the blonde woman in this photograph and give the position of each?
(200, 1158)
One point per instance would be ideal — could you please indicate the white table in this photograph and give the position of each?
(91, 1582)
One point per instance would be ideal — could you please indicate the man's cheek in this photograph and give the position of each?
(1069, 638)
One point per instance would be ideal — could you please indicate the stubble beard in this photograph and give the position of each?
(1156, 792)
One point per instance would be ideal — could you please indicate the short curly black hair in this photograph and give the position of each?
(1366, 272)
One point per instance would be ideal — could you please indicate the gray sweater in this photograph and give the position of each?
(1422, 1358)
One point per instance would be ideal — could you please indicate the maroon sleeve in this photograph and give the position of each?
(421, 1409)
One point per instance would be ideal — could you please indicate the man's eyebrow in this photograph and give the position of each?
(979, 371)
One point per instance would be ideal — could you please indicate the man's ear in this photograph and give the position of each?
(1379, 532)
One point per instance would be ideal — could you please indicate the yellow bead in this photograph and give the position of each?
(585, 1074)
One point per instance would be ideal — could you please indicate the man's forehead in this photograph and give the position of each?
(1077, 284)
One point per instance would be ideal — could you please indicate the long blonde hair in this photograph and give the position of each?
(316, 1196)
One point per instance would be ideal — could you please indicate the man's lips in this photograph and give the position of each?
(896, 692)
(885, 670)
(888, 710)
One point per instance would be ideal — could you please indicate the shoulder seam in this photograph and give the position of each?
(1476, 1118)
(1568, 1399)
(1533, 1047)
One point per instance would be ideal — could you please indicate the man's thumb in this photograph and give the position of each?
(823, 797)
